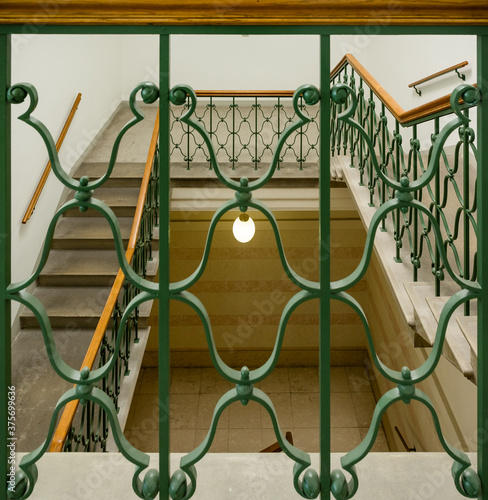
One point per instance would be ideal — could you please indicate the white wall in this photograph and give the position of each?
(397, 61)
(59, 67)
(227, 62)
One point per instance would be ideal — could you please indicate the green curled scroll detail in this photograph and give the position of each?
(381, 213)
(470, 95)
(179, 95)
(17, 94)
(298, 280)
(226, 371)
(59, 365)
(180, 489)
(98, 205)
(427, 368)
(145, 489)
(466, 480)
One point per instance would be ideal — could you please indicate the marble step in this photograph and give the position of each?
(75, 307)
(38, 387)
(124, 175)
(428, 309)
(85, 268)
(92, 233)
(121, 200)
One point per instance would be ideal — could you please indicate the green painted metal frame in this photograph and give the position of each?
(466, 480)
(482, 61)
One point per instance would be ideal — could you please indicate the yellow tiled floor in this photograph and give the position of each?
(295, 395)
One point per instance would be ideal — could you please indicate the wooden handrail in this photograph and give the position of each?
(45, 174)
(439, 73)
(69, 411)
(246, 12)
(405, 118)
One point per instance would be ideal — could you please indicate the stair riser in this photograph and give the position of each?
(70, 280)
(72, 323)
(87, 244)
(81, 280)
(118, 211)
(124, 182)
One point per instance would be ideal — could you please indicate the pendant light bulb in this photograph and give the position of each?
(243, 228)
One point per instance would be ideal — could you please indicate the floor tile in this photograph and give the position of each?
(293, 392)
(344, 439)
(303, 379)
(146, 412)
(220, 443)
(245, 417)
(213, 383)
(364, 405)
(276, 381)
(342, 410)
(186, 380)
(245, 441)
(338, 379)
(182, 441)
(183, 411)
(305, 409)
(307, 439)
(380, 444)
(358, 379)
(282, 403)
(150, 381)
(206, 408)
(145, 440)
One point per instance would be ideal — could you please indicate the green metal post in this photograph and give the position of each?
(466, 223)
(483, 266)
(164, 356)
(324, 341)
(414, 212)
(5, 354)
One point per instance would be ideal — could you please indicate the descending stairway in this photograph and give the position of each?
(417, 300)
(77, 279)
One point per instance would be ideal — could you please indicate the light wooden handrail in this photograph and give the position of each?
(404, 117)
(45, 174)
(69, 411)
(439, 73)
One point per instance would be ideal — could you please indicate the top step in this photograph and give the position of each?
(123, 175)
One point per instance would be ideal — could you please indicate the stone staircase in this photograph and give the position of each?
(76, 281)
(417, 300)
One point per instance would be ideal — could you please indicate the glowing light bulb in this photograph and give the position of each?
(243, 228)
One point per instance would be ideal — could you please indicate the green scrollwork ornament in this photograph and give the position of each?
(17, 94)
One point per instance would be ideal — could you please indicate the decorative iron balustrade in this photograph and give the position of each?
(97, 390)
(455, 179)
(245, 131)
(401, 190)
(92, 428)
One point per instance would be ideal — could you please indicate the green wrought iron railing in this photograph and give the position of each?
(86, 428)
(403, 143)
(244, 131)
(397, 187)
